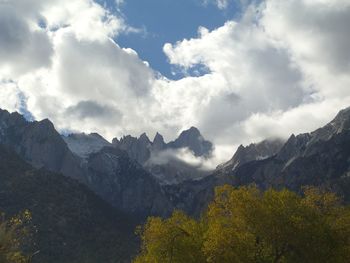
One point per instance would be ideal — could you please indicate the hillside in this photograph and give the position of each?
(73, 224)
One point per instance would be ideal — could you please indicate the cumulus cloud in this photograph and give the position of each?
(22, 48)
(10, 96)
(281, 68)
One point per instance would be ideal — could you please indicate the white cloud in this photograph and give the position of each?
(281, 69)
(10, 96)
(224, 4)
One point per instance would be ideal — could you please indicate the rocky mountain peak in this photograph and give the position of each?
(84, 144)
(193, 140)
(253, 152)
(340, 123)
(158, 143)
(294, 146)
(137, 148)
(144, 139)
(193, 131)
(158, 138)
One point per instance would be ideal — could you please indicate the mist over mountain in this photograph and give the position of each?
(173, 162)
(164, 181)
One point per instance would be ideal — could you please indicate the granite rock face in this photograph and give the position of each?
(158, 143)
(108, 171)
(194, 141)
(39, 144)
(252, 152)
(84, 144)
(163, 160)
(320, 158)
(137, 148)
(125, 184)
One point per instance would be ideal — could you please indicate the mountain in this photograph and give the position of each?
(194, 141)
(39, 144)
(252, 152)
(158, 143)
(137, 148)
(169, 168)
(84, 144)
(320, 158)
(162, 180)
(73, 224)
(163, 160)
(109, 172)
(141, 148)
(125, 184)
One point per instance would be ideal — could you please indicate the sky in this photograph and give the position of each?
(166, 21)
(241, 71)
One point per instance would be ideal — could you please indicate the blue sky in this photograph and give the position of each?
(166, 21)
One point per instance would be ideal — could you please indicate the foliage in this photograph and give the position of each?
(177, 239)
(247, 225)
(14, 233)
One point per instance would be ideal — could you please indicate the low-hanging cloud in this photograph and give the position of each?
(182, 156)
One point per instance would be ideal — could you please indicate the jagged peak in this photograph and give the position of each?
(158, 138)
(128, 138)
(144, 138)
(340, 123)
(96, 135)
(46, 123)
(192, 131)
(115, 141)
(83, 135)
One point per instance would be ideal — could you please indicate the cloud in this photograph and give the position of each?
(281, 68)
(179, 157)
(91, 110)
(10, 96)
(284, 61)
(22, 48)
(223, 4)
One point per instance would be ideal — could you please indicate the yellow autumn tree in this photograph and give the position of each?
(177, 240)
(247, 225)
(13, 234)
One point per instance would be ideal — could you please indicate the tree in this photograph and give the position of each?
(247, 225)
(13, 235)
(174, 240)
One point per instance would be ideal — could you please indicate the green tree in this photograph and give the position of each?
(13, 235)
(247, 225)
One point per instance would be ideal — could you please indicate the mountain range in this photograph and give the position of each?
(81, 180)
